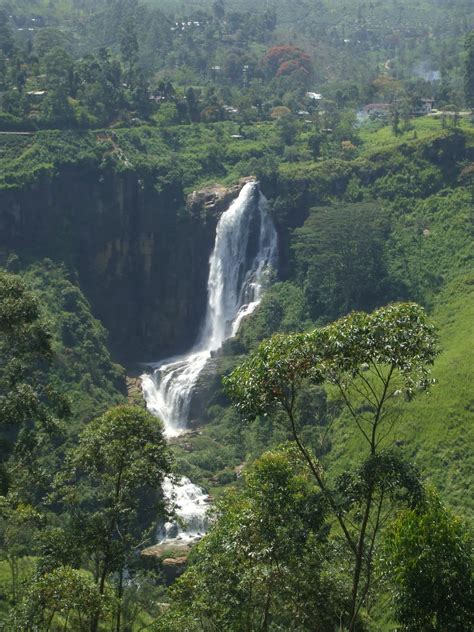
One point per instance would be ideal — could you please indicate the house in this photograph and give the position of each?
(230, 109)
(37, 95)
(376, 110)
(422, 107)
(314, 96)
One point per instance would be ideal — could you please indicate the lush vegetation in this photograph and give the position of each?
(388, 224)
(81, 366)
(335, 429)
(67, 64)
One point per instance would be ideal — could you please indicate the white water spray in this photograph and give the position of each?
(191, 509)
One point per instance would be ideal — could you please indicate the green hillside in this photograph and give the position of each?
(436, 429)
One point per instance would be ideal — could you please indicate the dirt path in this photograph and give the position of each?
(17, 133)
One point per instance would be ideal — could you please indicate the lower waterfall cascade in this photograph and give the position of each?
(245, 252)
(191, 508)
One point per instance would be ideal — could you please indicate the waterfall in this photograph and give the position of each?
(191, 510)
(244, 251)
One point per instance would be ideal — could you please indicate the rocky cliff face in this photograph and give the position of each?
(140, 249)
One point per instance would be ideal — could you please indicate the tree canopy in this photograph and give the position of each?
(429, 566)
(370, 360)
(266, 561)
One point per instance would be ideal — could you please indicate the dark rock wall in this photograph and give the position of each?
(141, 253)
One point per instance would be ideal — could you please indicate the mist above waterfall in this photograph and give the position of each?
(245, 251)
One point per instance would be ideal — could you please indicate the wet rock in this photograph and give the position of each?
(134, 391)
(213, 200)
(170, 557)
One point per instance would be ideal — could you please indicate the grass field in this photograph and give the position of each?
(425, 127)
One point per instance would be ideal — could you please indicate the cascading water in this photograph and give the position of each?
(245, 250)
(191, 509)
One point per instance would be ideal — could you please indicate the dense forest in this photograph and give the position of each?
(279, 198)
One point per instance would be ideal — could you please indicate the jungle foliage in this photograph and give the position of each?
(317, 439)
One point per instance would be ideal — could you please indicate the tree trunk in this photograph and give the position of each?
(119, 595)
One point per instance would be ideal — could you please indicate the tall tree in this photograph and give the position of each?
(7, 43)
(29, 406)
(18, 525)
(129, 46)
(101, 89)
(339, 254)
(56, 109)
(110, 488)
(140, 97)
(218, 9)
(266, 563)
(58, 66)
(63, 599)
(370, 360)
(192, 105)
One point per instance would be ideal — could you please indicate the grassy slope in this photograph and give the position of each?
(437, 429)
(423, 128)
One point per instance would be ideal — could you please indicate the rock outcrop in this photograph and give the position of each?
(172, 562)
(215, 199)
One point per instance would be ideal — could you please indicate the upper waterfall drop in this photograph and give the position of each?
(245, 250)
